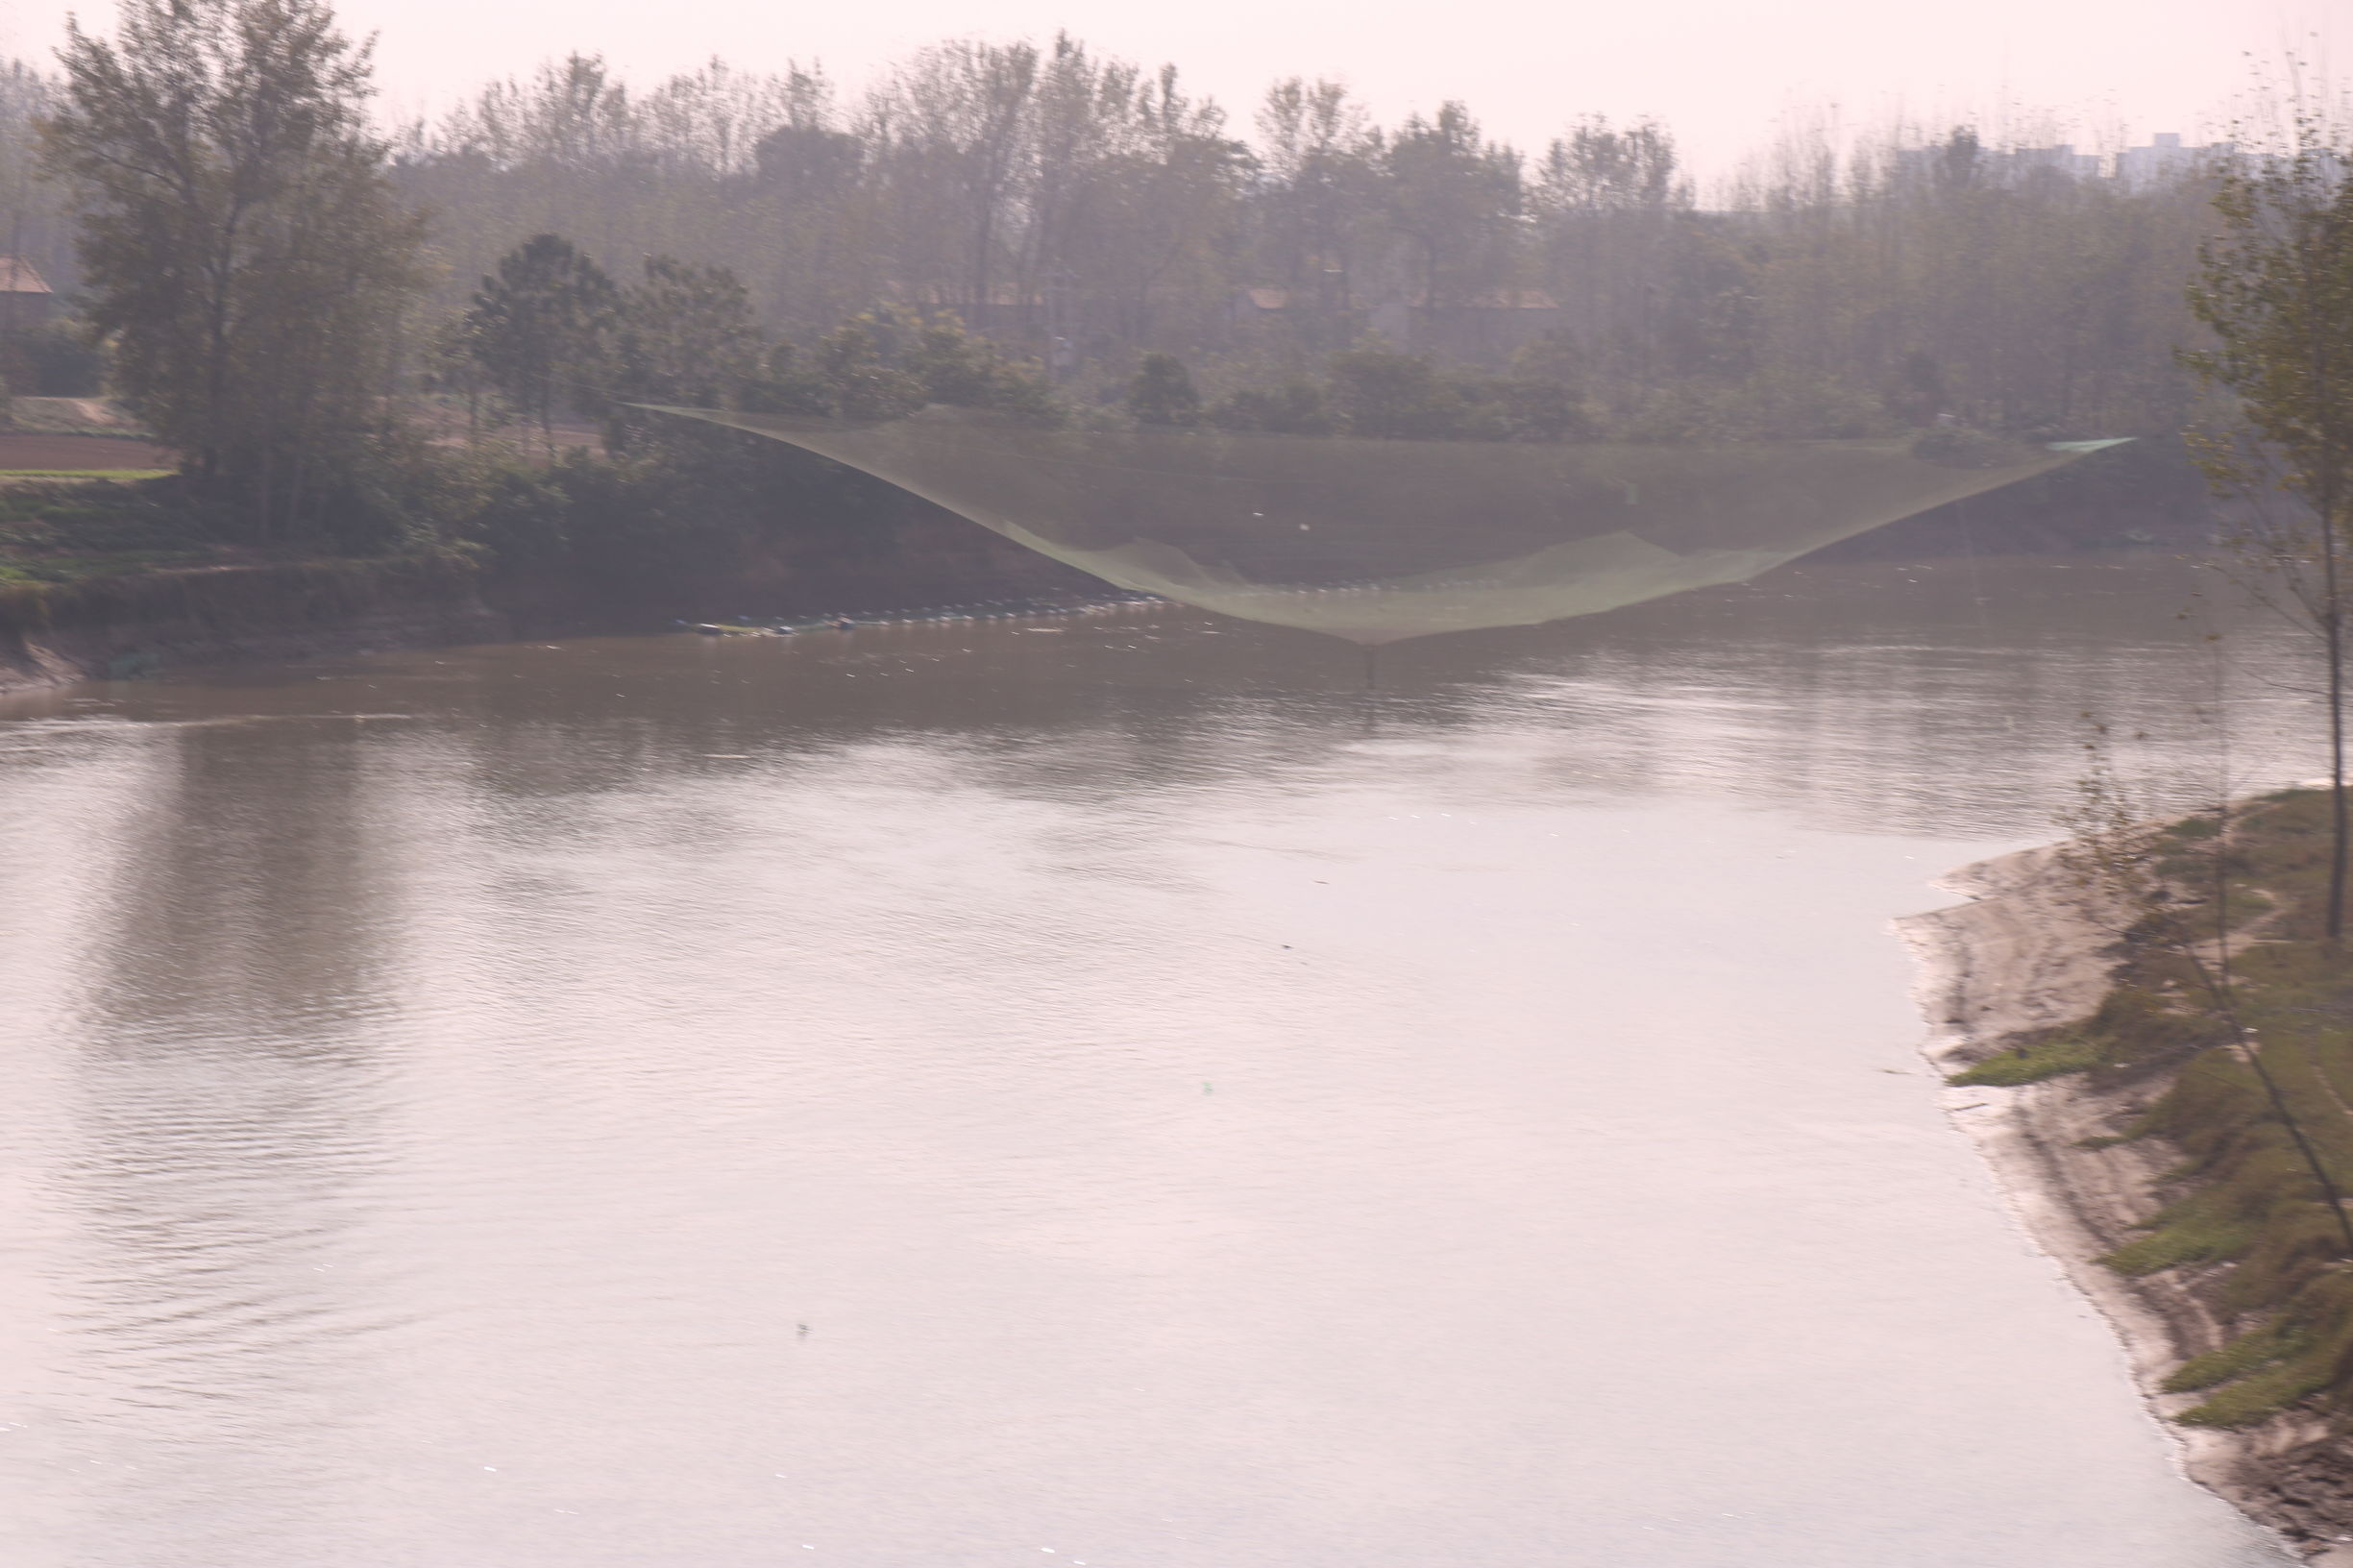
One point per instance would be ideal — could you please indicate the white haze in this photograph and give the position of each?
(1724, 74)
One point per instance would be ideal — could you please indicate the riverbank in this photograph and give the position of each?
(2104, 1160)
(128, 625)
(125, 607)
(104, 574)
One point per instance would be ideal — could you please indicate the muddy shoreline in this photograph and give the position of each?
(2030, 951)
(146, 623)
(151, 623)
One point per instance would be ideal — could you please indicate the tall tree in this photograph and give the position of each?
(242, 243)
(1453, 197)
(960, 115)
(1317, 152)
(543, 329)
(1605, 202)
(688, 335)
(2276, 290)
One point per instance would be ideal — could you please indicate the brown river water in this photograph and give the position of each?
(1108, 1089)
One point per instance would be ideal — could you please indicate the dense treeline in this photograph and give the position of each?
(1081, 212)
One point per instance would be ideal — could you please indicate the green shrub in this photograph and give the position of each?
(1162, 394)
(1296, 407)
(1379, 392)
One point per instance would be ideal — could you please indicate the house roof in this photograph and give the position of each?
(17, 277)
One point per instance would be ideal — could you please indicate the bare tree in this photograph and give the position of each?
(2276, 289)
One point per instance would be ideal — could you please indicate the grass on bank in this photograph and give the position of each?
(125, 476)
(2063, 1052)
(63, 529)
(2244, 1213)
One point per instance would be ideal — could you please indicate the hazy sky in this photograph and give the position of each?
(1721, 72)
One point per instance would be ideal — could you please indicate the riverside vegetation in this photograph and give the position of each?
(2231, 1007)
(422, 347)
(370, 341)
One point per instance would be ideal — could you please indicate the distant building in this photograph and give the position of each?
(2135, 168)
(2022, 162)
(26, 300)
(2165, 158)
(2004, 166)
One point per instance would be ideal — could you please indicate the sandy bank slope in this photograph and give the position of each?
(2030, 953)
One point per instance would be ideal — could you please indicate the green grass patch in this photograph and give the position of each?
(125, 474)
(2297, 1355)
(59, 569)
(2259, 1398)
(2199, 1239)
(2032, 1063)
(58, 529)
(2248, 1354)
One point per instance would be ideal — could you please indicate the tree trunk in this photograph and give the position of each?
(2333, 629)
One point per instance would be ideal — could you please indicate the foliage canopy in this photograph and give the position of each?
(242, 244)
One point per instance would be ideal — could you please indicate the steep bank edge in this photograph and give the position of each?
(2027, 953)
(144, 623)
(134, 625)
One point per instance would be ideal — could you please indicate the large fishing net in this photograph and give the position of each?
(1381, 539)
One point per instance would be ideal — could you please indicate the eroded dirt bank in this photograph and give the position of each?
(2031, 952)
(142, 624)
(139, 624)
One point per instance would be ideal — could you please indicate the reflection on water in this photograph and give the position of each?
(927, 1095)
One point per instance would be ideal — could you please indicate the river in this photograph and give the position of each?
(1109, 1089)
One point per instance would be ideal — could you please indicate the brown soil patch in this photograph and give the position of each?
(78, 454)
